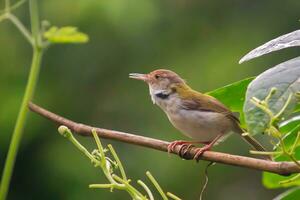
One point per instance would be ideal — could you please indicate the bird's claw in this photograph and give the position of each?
(184, 147)
(200, 151)
(172, 145)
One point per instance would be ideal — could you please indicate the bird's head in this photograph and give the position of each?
(162, 83)
(160, 79)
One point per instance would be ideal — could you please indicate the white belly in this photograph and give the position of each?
(200, 125)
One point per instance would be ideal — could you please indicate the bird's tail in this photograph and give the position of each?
(254, 143)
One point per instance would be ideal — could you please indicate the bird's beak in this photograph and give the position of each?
(142, 77)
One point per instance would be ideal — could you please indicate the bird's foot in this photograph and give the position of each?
(200, 151)
(185, 146)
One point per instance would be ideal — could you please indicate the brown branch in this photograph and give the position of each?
(242, 161)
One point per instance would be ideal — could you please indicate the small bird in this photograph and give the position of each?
(199, 116)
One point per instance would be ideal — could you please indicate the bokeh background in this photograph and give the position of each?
(200, 40)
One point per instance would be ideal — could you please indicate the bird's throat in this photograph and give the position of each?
(159, 96)
(162, 95)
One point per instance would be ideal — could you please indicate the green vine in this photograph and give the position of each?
(109, 166)
(273, 131)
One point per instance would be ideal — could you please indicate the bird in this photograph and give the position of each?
(200, 117)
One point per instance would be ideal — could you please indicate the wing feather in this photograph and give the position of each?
(207, 103)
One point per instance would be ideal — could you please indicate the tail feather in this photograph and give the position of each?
(254, 143)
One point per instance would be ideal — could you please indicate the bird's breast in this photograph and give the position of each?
(200, 125)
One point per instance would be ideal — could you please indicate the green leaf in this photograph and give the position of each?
(233, 95)
(290, 123)
(290, 136)
(285, 78)
(68, 34)
(272, 181)
(291, 194)
(285, 41)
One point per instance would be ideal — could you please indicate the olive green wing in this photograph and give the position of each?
(208, 103)
(203, 102)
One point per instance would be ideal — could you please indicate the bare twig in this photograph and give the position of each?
(241, 161)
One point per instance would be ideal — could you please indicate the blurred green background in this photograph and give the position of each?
(200, 40)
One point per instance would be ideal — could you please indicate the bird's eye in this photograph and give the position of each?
(157, 76)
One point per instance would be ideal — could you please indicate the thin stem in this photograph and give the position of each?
(290, 180)
(28, 95)
(100, 148)
(271, 93)
(20, 123)
(284, 107)
(150, 195)
(173, 196)
(128, 187)
(115, 181)
(155, 183)
(21, 28)
(206, 179)
(35, 23)
(111, 186)
(17, 5)
(295, 160)
(12, 7)
(282, 145)
(110, 179)
(256, 102)
(65, 131)
(287, 153)
(7, 5)
(121, 168)
(295, 143)
(271, 153)
(103, 161)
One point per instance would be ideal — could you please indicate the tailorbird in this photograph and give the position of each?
(199, 116)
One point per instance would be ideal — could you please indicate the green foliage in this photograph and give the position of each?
(291, 194)
(67, 34)
(34, 38)
(270, 99)
(233, 96)
(122, 37)
(285, 41)
(289, 124)
(282, 150)
(273, 181)
(99, 159)
(291, 136)
(284, 77)
(291, 143)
